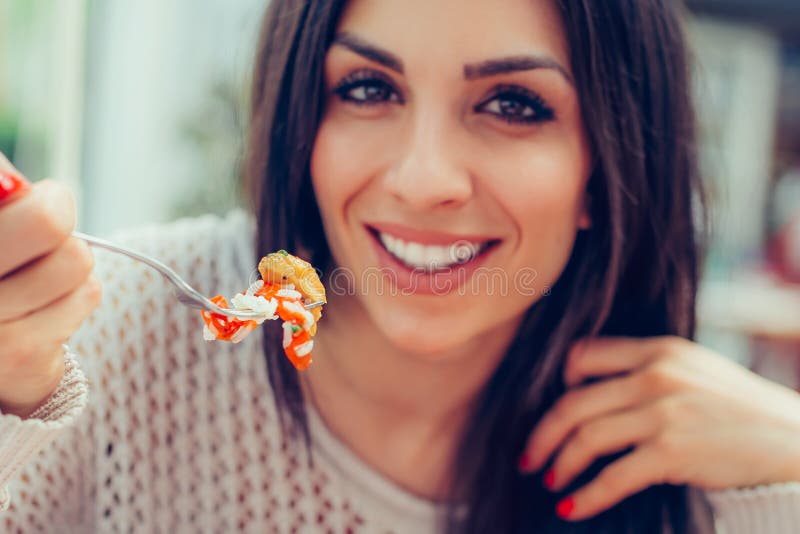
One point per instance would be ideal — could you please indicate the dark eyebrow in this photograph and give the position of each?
(504, 65)
(371, 52)
(472, 71)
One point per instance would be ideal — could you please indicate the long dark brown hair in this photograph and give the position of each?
(634, 273)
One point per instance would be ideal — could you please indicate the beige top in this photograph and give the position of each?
(177, 434)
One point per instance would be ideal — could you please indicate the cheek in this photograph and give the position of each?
(347, 155)
(329, 182)
(542, 188)
(549, 196)
(337, 173)
(333, 176)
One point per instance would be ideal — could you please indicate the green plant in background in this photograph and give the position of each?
(26, 118)
(13, 14)
(8, 132)
(214, 135)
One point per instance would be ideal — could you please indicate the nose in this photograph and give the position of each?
(429, 170)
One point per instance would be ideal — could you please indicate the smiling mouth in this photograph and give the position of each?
(432, 257)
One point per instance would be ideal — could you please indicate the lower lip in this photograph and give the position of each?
(417, 281)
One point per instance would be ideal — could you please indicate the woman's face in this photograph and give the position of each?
(451, 129)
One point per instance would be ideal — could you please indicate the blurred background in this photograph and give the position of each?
(141, 108)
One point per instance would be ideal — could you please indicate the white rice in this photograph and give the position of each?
(305, 348)
(308, 319)
(241, 333)
(256, 304)
(255, 286)
(289, 294)
(248, 301)
(294, 307)
(287, 334)
(208, 335)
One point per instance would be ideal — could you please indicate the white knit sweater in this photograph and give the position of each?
(181, 435)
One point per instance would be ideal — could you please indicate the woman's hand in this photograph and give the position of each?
(46, 288)
(690, 416)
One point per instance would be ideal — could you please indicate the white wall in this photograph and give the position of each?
(738, 69)
(737, 88)
(150, 65)
(41, 85)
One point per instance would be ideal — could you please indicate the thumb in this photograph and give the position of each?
(11, 181)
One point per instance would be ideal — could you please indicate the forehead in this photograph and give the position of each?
(458, 30)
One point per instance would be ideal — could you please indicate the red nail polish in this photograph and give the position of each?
(11, 184)
(565, 507)
(549, 479)
(524, 463)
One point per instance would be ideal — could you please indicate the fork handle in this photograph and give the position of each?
(199, 300)
(185, 292)
(152, 262)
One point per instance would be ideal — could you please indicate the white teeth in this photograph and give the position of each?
(430, 257)
(438, 256)
(415, 254)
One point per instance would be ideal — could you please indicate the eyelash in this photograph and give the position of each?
(365, 79)
(539, 110)
(535, 110)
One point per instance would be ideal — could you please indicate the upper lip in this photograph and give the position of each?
(426, 237)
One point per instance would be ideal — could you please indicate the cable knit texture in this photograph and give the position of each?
(182, 435)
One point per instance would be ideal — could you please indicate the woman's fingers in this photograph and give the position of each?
(45, 280)
(24, 337)
(601, 437)
(605, 356)
(12, 183)
(634, 472)
(11, 186)
(45, 289)
(681, 409)
(577, 407)
(35, 224)
(32, 364)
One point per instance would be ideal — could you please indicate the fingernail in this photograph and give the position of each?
(565, 507)
(11, 184)
(524, 463)
(549, 479)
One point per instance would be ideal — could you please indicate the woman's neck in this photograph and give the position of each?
(401, 413)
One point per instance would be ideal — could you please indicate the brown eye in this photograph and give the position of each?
(516, 105)
(368, 93)
(366, 88)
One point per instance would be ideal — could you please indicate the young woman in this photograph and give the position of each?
(554, 142)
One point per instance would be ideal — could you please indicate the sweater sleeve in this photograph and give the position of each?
(771, 509)
(22, 442)
(94, 458)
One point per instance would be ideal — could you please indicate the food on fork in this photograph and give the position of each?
(283, 268)
(287, 284)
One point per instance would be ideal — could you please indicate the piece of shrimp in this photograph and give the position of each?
(283, 268)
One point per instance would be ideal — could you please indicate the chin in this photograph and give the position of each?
(425, 347)
(428, 337)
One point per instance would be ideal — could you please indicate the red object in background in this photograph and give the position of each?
(784, 251)
(10, 185)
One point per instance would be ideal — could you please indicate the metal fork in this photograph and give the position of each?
(186, 294)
